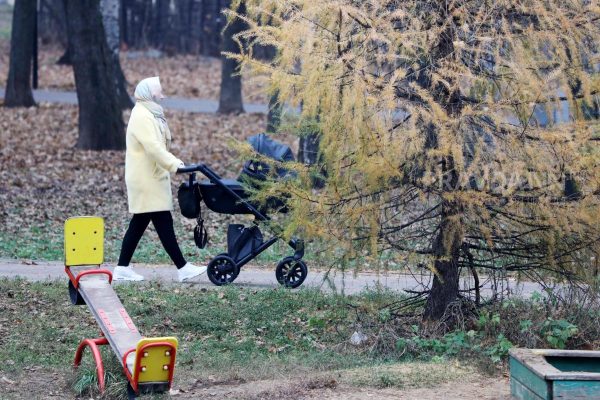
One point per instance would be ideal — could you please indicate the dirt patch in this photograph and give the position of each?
(483, 389)
(35, 383)
(335, 386)
(327, 388)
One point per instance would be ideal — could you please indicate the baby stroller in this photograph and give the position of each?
(228, 196)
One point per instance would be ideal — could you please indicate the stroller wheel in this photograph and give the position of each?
(222, 270)
(291, 272)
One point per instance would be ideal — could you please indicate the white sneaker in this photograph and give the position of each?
(189, 271)
(126, 274)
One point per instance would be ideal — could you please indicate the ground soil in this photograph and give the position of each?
(38, 384)
(311, 388)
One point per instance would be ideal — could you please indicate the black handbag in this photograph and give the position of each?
(189, 198)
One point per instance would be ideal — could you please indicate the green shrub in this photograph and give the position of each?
(558, 332)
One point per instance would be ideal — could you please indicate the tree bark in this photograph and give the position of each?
(211, 27)
(65, 59)
(308, 149)
(230, 99)
(100, 123)
(53, 24)
(161, 23)
(448, 242)
(446, 247)
(18, 86)
(110, 19)
(124, 21)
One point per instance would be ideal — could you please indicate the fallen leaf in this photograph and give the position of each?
(7, 381)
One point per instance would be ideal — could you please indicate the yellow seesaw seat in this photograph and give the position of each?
(148, 363)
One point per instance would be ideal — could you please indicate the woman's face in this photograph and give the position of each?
(157, 93)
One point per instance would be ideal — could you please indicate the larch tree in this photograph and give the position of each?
(433, 136)
(100, 121)
(110, 19)
(18, 86)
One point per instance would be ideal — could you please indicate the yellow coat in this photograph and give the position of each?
(148, 164)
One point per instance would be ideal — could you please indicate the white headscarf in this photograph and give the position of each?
(146, 93)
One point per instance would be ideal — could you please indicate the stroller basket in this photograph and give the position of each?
(243, 241)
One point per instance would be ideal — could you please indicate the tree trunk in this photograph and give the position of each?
(448, 242)
(65, 59)
(195, 32)
(308, 149)
(124, 21)
(230, 99)
(18, 86)
(211, 27)
(100, 123)
(161, 23)
(53, 24)
(110, 19)
(446, 249)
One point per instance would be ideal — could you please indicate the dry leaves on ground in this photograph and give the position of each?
(44, 179)
(181, 76)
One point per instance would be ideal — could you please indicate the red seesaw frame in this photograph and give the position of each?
(91, 343)
(75, 279)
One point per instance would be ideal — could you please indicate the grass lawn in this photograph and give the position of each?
(227, 336)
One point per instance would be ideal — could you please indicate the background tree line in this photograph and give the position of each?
(93, 32)
(174, 26)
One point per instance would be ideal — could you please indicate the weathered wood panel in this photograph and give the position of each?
(576, 390)
(521, 392)
(111, 316)
(529, 379)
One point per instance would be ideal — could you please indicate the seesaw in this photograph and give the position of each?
(148, 363)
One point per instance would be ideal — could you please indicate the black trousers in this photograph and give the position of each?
(163, 222)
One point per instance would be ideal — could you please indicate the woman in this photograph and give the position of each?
(148, 164)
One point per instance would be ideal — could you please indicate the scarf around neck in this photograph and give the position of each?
(143, 96)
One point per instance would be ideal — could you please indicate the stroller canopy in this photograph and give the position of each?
(268, 147)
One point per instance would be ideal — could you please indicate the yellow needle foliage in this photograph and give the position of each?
(455, 133)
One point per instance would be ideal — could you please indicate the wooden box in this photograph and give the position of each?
(543, 374)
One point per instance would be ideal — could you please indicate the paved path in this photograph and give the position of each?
(171, 103)
(252, 277)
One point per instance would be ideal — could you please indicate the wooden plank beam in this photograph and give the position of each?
(107, 309)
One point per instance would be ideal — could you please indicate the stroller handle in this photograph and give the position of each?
(190, 168)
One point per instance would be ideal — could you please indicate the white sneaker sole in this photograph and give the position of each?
(192, 276)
